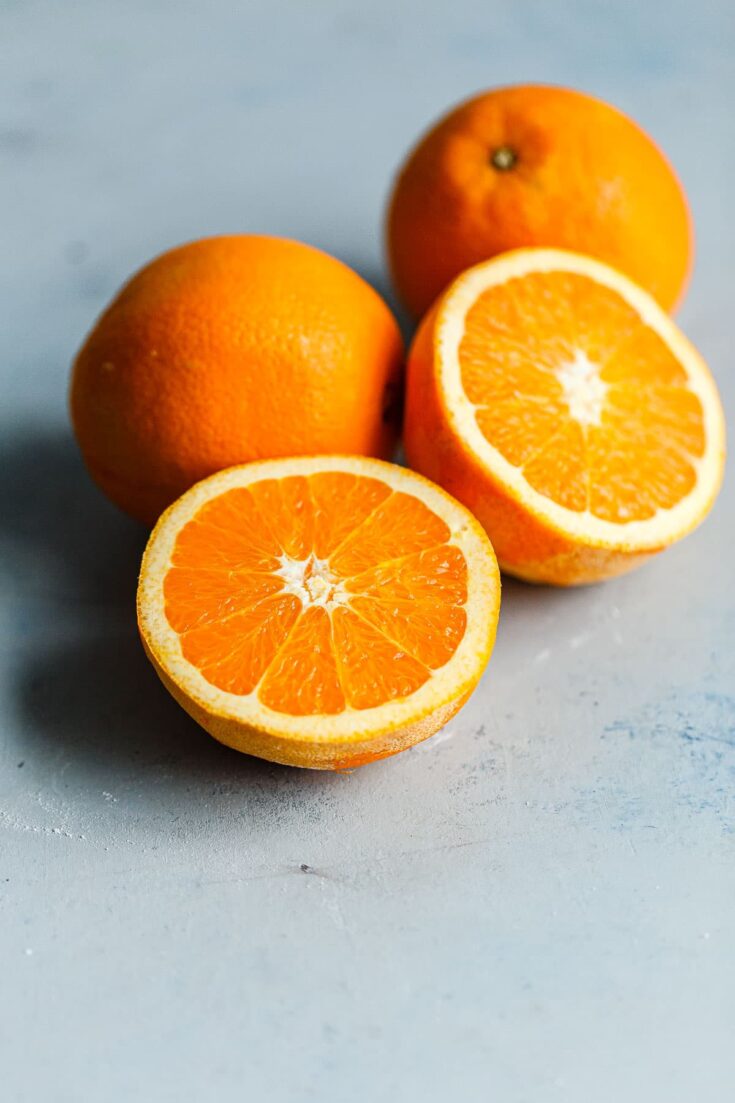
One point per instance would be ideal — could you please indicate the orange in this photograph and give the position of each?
(320, 612)
(533, 165)
(228, 350)
(557, 400)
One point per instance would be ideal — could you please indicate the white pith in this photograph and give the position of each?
(458, 675)
(638, 535)
(584, 392)
(312, 582)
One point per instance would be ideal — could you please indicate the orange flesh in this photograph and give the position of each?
(634, 453)
(374, 606)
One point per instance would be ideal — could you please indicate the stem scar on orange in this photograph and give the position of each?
(533, 165)
(228, 350)
(319, 612)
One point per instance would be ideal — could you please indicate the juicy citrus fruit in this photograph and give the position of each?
(561, 404)
(319, 612)
(228, 350)
(537, 166)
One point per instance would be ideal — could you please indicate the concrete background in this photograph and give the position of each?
(536, 905)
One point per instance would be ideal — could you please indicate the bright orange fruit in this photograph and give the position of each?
(228, 350)
(558, 401)
(320, 612)
(533, 165)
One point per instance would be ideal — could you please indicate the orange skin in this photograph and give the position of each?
(525, 545)
(324, 756)
(228, 350)
(533, 165)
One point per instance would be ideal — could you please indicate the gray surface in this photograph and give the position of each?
(535, 905)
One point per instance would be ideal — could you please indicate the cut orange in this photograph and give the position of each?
(320, 612)
(558, 401)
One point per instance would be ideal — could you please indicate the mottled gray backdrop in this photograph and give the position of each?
(537, 904)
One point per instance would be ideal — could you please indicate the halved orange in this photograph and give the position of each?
(556, 399)
(320, 612)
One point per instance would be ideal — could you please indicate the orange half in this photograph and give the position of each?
(319, 612)
(559, 402)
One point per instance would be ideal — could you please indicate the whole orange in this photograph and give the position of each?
(227, 350)
(533, 165)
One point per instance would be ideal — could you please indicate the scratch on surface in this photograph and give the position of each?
(15, 824)
(314, 872)
(339, 871)
(334, 911)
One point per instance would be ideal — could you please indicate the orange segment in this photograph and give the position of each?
(304, 679)
(196, 595)
(233, 654)
(643, 359)
(559, 470)
(632, 480)
(341, 503)
(373, 668)
(673, 415)
(399, 526)
(428, 634)
(518, 438)
(228, 534)
(563, 405)
(286, 510)
(319, 611)
(416, 601)
(438, 574)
